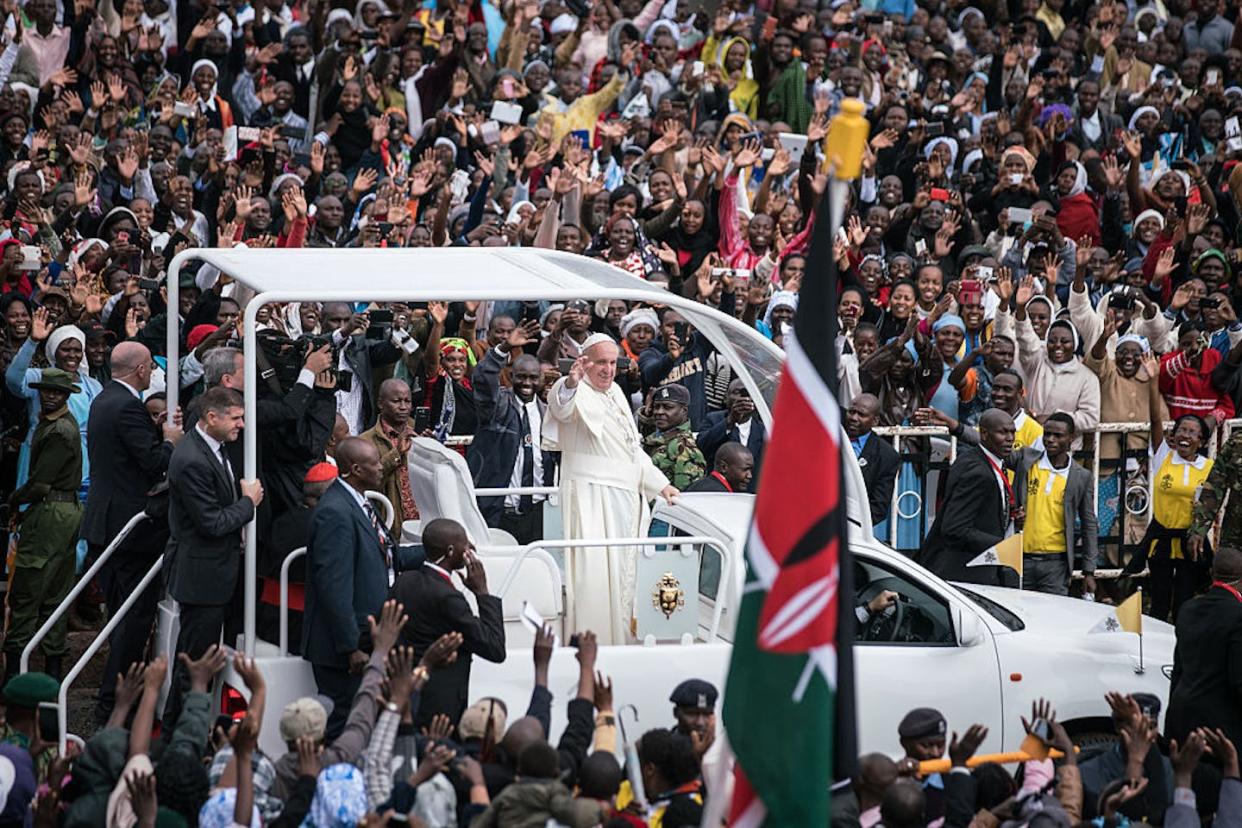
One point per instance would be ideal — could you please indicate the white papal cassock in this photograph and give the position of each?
(606, 482)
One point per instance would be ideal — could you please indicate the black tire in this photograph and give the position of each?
(1093, 742)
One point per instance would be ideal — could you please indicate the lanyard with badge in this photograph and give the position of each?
(1013, 506)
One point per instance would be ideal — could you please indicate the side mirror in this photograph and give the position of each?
(970, 630)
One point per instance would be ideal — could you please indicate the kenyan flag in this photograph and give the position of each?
(789, 698)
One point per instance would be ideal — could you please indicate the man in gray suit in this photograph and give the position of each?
(1055, 492)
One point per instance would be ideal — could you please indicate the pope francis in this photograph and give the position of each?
(607, 481)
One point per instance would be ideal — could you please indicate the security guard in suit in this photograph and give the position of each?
(672, 446)
(49, 527)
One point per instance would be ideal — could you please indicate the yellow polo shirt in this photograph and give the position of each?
(1175, 482)
(1028, 433)
(1044, 530)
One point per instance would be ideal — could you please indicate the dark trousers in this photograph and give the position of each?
(118, 578)
(1046, 572)
(201, 626)
(525, 527)
(337, 684)
(1172, 583)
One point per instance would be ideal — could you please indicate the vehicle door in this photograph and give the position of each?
(927, 650)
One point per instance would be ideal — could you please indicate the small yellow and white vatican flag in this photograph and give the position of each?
(1006, 553)
(1125, 617)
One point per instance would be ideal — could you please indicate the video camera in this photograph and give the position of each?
(280, 360)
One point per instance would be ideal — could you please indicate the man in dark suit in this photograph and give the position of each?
(351, 561)
(207, 508)
(1092, 128)
(735, 466)
(505, 451)
(128, 458)
(878, 460)
(978, 506)
(436, 608)
(736, 424)
(296, 65)
(359, 357)
(1205, 689)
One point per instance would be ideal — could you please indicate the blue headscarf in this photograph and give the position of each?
(949, 320)
(340, 798)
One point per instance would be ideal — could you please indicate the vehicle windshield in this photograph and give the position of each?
(1011, 621)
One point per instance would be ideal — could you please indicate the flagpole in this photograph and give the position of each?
(1141, 670)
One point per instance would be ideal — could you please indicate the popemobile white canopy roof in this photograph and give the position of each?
(444, 274)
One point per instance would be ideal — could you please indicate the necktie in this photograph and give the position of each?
(526, 501)
(381, 533)
(224, 461)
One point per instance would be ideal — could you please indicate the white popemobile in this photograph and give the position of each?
(978, 654)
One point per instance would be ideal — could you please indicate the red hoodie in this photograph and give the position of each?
(1189, 390)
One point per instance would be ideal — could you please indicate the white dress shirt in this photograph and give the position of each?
(515, 479)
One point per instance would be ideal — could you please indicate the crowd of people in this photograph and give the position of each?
(1043, 239)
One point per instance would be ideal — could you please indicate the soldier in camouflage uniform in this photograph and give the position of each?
(1226, 475)
(43, 571)
(671, 445)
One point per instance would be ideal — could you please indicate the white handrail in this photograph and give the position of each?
(381, 499)
(81, 585)
(62, 698)
(503, 491)
(284, 598)
(672, 540)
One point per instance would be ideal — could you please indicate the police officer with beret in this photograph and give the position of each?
(694, 708)
(672, 446)
(923, 733)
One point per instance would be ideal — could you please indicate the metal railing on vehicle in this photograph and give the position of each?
(82, 583)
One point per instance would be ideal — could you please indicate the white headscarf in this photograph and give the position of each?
(639, 316)
(1149, 214)
(1080, 180)
(198, 64)
(780, 299)
(1140, 112)
(59, 335)
(947, 141)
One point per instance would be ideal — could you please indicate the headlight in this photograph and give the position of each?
(1167, 669)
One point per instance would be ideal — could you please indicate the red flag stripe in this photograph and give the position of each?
(747, 809)
(805, 426)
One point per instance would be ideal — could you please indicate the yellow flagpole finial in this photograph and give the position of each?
(847, 136)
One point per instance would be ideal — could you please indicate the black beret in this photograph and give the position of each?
(922, 723)
(695, 693)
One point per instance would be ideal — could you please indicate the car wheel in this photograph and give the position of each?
(1093, 742)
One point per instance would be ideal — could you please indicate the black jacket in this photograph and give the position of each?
(346, 578)
(128, 457)
(435, 607)
(711, 483)
(497, 440)
(206, 513)
(1205, 689)
(879, 462)
(973, 517)
(717, 431)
